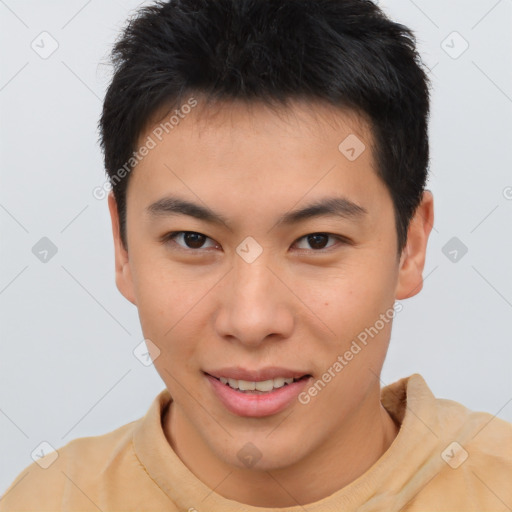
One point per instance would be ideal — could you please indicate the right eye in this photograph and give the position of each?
(190, 241)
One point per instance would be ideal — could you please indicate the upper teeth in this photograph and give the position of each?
(265, 385)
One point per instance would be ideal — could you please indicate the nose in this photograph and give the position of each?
(254, 305)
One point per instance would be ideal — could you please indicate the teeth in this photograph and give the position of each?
(244, 385)
(279, 382)
(265, 385)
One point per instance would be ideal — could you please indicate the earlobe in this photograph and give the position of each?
(124, 279)
(412, 259)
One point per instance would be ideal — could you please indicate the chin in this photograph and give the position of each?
(259, 453)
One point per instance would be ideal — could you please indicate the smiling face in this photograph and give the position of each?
(229, 277)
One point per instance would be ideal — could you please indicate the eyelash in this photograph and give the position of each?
(169, 238)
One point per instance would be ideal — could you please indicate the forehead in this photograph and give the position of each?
(255, 154)
(299, 118)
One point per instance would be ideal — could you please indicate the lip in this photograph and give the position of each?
(271, 372)
(255, 405)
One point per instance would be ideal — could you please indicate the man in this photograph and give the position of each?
(268, 162)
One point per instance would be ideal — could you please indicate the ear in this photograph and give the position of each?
(124, 279)
(412, 260)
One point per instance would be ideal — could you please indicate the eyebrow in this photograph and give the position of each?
(326, 207)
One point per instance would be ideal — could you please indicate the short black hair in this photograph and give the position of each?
(347, 53)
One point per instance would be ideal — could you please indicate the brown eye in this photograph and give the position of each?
(194, 240)
(187, 240)
(318, 241)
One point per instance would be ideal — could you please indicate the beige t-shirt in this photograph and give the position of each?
(445, 458)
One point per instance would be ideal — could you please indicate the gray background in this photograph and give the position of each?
(67, 364)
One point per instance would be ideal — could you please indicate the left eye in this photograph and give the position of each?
(318, 241)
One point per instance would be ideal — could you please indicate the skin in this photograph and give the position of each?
(295, 306)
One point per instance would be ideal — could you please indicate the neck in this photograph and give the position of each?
(339, 461)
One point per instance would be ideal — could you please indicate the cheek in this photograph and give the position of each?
(356, 300)
(154, 300)
(171, 312)
(161, 300)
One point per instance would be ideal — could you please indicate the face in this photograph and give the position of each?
(232, 282)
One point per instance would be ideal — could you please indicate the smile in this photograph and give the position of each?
(264, 386)
(257, 398)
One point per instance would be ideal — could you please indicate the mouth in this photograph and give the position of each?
(258, 387)
(257, 398)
